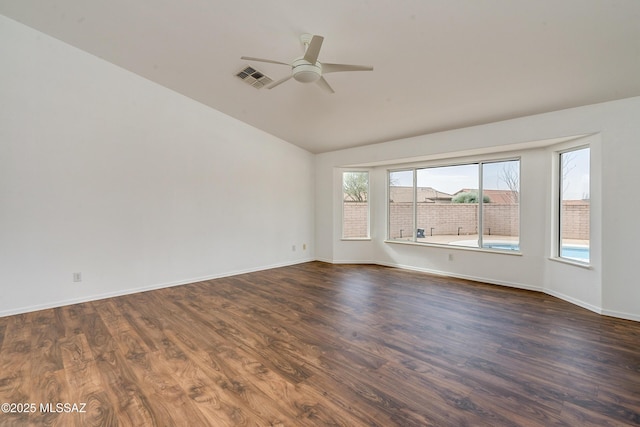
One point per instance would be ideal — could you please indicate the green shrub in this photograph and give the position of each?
(469, 197)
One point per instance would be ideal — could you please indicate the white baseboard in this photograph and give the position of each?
(573, 300)
(361, 262)
(465, 277)
(96, 297)
(569, 299)
(62, 303)
(621, 315)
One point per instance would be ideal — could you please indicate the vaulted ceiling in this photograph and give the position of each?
(438, 64)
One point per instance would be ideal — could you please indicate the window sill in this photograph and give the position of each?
(455, 247)
(571, 262)
(356, 239)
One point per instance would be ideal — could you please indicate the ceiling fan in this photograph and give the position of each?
(307, 69)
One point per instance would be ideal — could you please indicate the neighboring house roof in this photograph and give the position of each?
(495, 196)
(423, 194)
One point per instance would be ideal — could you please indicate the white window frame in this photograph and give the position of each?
(480, 162)
(556, 246)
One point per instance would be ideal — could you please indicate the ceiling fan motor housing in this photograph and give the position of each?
(307, 69)
(306, 72)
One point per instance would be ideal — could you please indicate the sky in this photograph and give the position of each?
(576, 180)
(451, 179)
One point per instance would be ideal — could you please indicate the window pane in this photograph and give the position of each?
(574, 205)
(447, 205)
(355, 206)
(501, 205)
(401, 205)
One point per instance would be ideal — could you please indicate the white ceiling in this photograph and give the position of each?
(438, 64)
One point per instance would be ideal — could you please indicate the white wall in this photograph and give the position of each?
(611, 286)
(108, 174)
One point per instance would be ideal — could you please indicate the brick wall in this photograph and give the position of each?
(499, 219)
(575, 221)
(401, 220)
(355, 220)
(449, 218)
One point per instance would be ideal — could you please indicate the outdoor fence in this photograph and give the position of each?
(459, 219)
(355, 220)
(575, 221)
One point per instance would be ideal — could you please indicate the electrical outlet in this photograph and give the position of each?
(450, 257)
(77, 277)
(293, 248)
(304, 246)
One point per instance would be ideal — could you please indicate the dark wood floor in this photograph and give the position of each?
(320, 344)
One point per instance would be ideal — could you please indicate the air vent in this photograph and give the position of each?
(253, 77)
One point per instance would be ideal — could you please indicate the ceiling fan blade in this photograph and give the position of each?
(249, 58)
(279, 82)
(334, 68)
(324, 85)
(314, 49)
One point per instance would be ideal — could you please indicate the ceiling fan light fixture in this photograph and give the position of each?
(305, 72)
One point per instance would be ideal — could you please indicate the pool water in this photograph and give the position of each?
(578, 253)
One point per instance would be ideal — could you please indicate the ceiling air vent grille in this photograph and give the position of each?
(253, 77)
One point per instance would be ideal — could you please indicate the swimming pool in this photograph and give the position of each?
(578, 253)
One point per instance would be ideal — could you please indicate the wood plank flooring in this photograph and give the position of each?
(319, 344)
